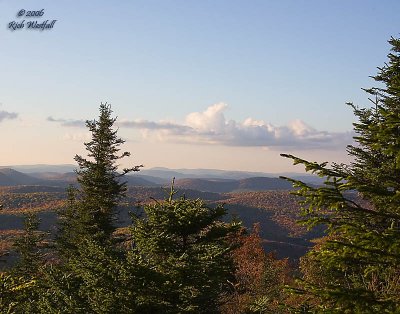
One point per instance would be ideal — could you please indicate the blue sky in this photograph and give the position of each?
(195, 84)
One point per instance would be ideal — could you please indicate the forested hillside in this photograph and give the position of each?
(276, 211)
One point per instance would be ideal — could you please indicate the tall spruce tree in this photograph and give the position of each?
(89, 277)
(356, 269)
(92, 207)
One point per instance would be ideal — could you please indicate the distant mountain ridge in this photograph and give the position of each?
(42, 168)
(168, 174)
(11, 177)
(207, 180)
(202, 173)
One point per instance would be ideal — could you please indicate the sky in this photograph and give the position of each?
(194, 84)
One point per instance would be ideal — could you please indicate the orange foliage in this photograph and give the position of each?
(257, 275)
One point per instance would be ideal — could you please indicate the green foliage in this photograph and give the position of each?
(95, 281)
(358, 262)
(18, 285)
(182, 248)
(28, 248)
(68, 226)
(101, 186)
(91, 268)
(14, 293)
(58, 292)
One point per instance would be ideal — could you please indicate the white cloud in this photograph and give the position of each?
(211, 120)
(211, 127)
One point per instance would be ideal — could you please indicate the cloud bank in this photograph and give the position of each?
(68, 123)
(7, 115)
(211, 127)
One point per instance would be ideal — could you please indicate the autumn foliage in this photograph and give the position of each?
(259, 277)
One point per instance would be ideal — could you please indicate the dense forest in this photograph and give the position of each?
(181, 255)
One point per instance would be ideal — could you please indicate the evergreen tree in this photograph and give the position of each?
(15, 292)
(92, 208)
(182, 250)
(91, 268)
(19, 285)
(359, 260)
(92, 281)
(27, 246)
(68, 216)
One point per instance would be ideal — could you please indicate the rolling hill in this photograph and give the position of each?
(226, 186)
(11, 177)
